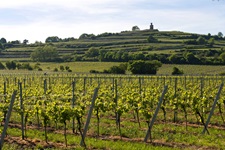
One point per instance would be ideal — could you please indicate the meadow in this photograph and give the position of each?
(85, 67)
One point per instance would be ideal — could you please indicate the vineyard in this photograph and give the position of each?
(79, 111)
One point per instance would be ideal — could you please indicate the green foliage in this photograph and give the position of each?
(3, 40)
(92, 52)
(144, 67)
(121, 69)
(222, 57)
(135, 28)
(11, 65)
(55, 70)
(152, 39)
(15, 42)
(190, 42)
(177, 71)
(24, 66)
(47, 53)
(211, 42)
(67, 67)
(116, 70)
(173, 58)
(201, 41)
(61, 68)
(52, 39)
(87, 36)
(220, 34)
(25, 41)
(2, 46)
(191, 58)
(2, 66)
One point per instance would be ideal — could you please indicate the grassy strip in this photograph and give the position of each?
(85, 67)
(74, 140)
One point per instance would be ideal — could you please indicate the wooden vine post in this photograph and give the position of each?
(155, 114)
(7, 119)
(73, 104)
(82, 142)
(21, 110)
(175, 95)
(4, 91)
(45, 86)
(116, 102)
(213, 108)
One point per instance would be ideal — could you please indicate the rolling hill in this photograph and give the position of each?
(137, 44)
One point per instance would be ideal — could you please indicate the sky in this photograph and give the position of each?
(35, 20)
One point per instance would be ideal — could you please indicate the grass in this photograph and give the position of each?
(168, 133)
(166, 69)
(85, 67)
(92, 143)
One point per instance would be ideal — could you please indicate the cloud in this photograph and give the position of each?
(38, 19)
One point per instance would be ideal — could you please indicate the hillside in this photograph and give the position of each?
(134, 44)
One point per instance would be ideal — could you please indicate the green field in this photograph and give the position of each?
(85, 67)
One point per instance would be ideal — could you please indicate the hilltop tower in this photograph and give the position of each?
(151, 26)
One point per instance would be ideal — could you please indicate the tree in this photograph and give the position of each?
(1, 46)
(211, 42)
(61, 68)
(25, 41)
(46, 53)
(15, 42)
(116, 70)
(222, 57)
(135, 28)
(10, 65)
(138, 56)
(220, 34)
(3, 40)
(24, 66)
(151, 39)
(173, 58)
(52, 39)
(125, 56)
(201, 40)
(87, 36)
(2, 66)
(190, 58)
(92, 52)
(101, 56)
(144, 67)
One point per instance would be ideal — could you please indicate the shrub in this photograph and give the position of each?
(10, 65)
(24, 66)
(55, 69)
(177, 71)
(144, 67)
(94, 71)
(62, 68)
(151, 39)
(2, 66)
(117, 70)
(67, 68)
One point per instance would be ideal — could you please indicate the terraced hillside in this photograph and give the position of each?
(135, 44)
